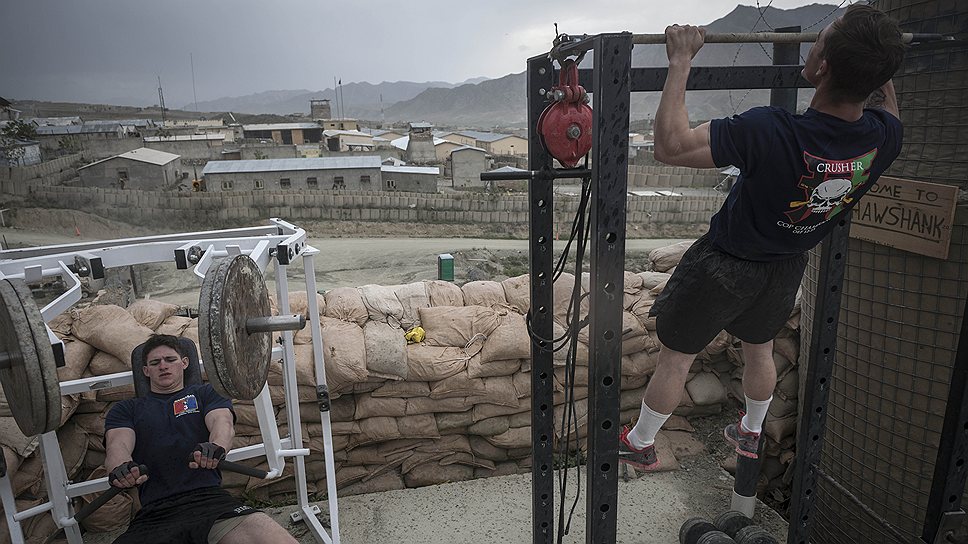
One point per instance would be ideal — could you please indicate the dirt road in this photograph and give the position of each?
(350, 262)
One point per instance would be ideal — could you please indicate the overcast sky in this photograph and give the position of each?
(113, 50)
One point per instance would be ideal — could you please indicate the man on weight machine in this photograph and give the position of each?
(799, 175)
(180, 433)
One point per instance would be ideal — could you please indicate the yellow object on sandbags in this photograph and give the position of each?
(415, 335)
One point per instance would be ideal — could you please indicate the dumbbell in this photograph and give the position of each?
(731, 522)
(754, 534)
(702, 531)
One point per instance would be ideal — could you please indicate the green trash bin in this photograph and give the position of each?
(445, 267)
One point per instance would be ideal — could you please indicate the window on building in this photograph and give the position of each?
(338, 183)
(391, 184)
(259, 184)
(227, 185)
(312, 183)
(285, 183)
(365, 180)
(122, 175)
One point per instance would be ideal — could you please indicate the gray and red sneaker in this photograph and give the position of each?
(642, 459)
(747, 443)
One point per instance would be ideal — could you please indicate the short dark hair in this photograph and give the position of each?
(159, 340)
(863, 50)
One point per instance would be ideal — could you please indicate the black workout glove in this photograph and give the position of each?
(211, 450)
(121, 472)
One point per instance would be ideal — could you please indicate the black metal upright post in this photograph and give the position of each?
(613, 60)
(541, 216)
(813, 410)
(944, 512)
(785, 54)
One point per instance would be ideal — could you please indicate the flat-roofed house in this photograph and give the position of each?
(311, 174)
(410, 179)
(284, 133)
(143, 168)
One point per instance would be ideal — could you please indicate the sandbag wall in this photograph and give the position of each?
(451, 407)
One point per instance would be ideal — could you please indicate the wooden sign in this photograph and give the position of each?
(909, 215)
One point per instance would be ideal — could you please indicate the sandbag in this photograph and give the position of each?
(346, 304)
(517, 291)
(150, 312)
(105, 363)
(386, 350)
(489, 294)
(344, 353)
(434, 474)
(666, 257)
(651, 279)
(706, 389)
(412, 297)
(381, 304)
(479, 369)
(299, 304)
(432, 363)
(175, 325)
(509, 340)
(444, 293)
(61, 324)
(402, 389)
(77, 358)
(458, 326)
(110, 329)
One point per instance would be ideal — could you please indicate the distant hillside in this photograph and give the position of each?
(502, 101)
(359, 100)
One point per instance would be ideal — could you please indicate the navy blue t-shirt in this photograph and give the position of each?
(167, 429)
(797, 173)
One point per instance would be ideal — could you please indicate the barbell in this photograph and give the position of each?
(235, 342)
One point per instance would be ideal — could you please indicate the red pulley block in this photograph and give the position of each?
(565, 125)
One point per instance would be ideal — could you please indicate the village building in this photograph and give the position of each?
(143, 168)
(284, 133)
(466, 165)
(410, 179)
(311, 174)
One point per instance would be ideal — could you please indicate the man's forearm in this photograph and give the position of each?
(672, 118)
(884, 98)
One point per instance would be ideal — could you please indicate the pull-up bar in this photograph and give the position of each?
(777, 37)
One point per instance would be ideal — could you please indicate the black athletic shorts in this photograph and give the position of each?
(184, 518)
(711, 290)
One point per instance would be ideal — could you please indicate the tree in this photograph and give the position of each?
(10, 134)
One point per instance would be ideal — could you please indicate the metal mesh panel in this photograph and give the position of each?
(932, 88)
(897, 340)
(900, 313)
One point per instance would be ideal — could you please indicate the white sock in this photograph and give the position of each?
(648, 425)
(755, 414)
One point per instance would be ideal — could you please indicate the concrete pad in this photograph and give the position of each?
(498, 510)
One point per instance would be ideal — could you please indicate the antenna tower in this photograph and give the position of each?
(161, 101)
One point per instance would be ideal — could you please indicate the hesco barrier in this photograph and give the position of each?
(900, 314)
(240, 207)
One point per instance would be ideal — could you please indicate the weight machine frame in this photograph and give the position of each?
(612, 80)
(279, 241)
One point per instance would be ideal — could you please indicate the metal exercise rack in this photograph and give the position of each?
(279, 241)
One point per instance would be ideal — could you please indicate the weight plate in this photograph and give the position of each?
(29, 380)
(731, 522)
(237, 363)
(694, 528)
(754, 534)
(715, 537)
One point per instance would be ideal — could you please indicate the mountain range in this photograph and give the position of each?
(501, 102)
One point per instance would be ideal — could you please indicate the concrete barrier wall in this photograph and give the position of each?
(672, 176)
(20, 180)
(245, 207)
